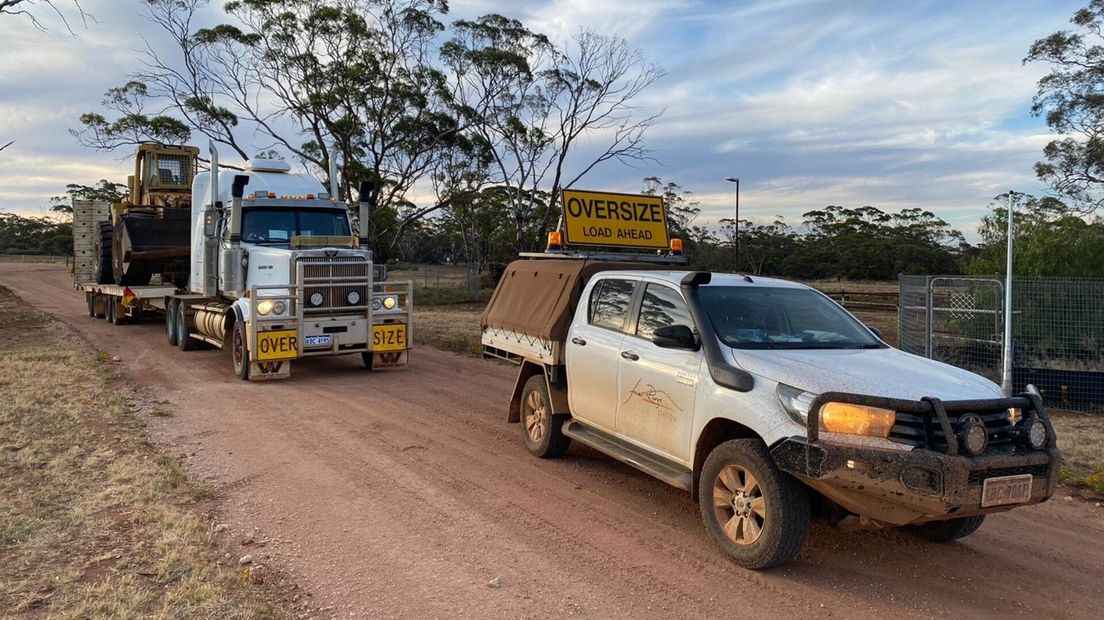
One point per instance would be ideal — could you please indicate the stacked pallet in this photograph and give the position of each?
(87, 215)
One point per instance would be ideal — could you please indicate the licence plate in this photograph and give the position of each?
(317, 341)
(389, 337)
(277, 345)
(1006, 490)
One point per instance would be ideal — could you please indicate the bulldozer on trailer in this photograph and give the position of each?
(147, 233)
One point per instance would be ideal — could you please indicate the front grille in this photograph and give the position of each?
(925, 431)
(978, 476)
(320, 271)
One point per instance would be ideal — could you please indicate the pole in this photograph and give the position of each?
(1006, 376)
(736, 231)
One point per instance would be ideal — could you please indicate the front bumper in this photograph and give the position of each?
(903, 486)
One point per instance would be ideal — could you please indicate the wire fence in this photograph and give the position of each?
(34, 258)
(444, 283)
(1057, 331)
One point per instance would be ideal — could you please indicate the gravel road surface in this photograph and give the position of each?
(406, 494)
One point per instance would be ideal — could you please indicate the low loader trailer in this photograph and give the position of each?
(275, 274)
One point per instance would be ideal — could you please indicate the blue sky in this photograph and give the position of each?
(890, 104)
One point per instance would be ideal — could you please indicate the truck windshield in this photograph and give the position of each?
(747, 317)
(279, 225)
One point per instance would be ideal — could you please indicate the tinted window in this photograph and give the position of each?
(609, 303)
(279, 225)
(662, 306)
(747, 317)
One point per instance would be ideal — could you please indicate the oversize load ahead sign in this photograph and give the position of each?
(622, 220)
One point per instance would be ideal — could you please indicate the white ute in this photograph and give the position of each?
(765, 399)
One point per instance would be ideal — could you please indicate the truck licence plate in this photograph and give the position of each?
(277, 345)
(1006, 490)
(389, 337)
(317, 341)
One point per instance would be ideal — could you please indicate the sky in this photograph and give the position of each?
(891, 104)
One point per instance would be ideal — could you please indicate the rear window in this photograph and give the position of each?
(609, 303)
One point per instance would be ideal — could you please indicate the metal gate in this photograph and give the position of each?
(957, 320)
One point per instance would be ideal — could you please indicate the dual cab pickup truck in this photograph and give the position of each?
(764, 399)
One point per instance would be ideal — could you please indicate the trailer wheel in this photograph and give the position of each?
(756, 513)
(170, 321)
(101, 254)
(183, 339)
(542, 429)
(99, 305)
(239, 351)
(111, 309)
(91, 300)
(949, 530)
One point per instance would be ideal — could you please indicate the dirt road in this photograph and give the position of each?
(405, 494)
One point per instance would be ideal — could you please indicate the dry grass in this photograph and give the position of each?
(96, 522)
(449, 327)
(1081, 439)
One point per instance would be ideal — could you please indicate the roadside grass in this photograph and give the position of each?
(95, 521)
(1081, 439)
(449, 327)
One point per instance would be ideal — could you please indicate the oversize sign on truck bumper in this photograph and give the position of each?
(614, 220)
(277, 345)
(389, 337)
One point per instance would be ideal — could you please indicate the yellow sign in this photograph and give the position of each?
(277, 345)
(621, 220)
(390, 337)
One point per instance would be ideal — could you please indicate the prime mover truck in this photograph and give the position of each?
(274, 273)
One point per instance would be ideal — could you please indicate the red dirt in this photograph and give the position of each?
(404, 493)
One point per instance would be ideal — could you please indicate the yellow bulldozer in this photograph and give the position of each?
(148, 233)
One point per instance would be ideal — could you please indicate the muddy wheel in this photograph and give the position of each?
(183, 339)
(170, 322)
(947, 531)
(368, 360)
(239, 351)
(756, 513)
(101, 254)
(542, 430)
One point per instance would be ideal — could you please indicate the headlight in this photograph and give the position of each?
(353, 298)
(264, 307)
(316, 299)
(796, 402)
(847, 419)
(279, 307)
(377, 303)
(389, 302)
(973, 435)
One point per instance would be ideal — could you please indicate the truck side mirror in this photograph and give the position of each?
(877, 332)
(675, 337)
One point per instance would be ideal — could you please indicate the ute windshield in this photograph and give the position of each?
(278, 225)
(753, 317)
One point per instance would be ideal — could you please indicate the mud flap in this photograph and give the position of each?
(265, 371)
(390, 359)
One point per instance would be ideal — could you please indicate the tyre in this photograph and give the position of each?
(111, 309)
(542, 430)
(101, 254)
(756, 513)
(99, 305)
(949, 530)
(239, 351)
(368, 360)
(170, 322)
(183, 340)
(90, 299)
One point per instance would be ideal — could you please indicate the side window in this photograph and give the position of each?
(661, 306)
(609, 303)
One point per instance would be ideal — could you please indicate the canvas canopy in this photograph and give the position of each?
(538, 297)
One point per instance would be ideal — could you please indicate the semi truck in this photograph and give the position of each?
(763, 398)
(274, 273)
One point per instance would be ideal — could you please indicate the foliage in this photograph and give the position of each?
(1070, 98)
(1048, 239)
(34, 235)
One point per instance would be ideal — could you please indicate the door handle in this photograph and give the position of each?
(629, 355)
(579, 341)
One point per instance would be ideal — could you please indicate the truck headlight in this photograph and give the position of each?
(389, 302)
(973, 435)
(316, 299)
(1032, 433)
(796, 402)
(279, 307)
(264, 307)
(353, 298)
(842, 418)
(377, 303)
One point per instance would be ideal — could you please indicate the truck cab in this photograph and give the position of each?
(278, 273)
(766, 400)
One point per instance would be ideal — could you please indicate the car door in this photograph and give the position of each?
(656, 407)
(592, 350)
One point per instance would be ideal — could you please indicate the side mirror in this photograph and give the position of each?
(675, 337)
(877, 332)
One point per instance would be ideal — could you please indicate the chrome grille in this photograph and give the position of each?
(345, 273)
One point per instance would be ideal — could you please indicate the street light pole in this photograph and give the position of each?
(736, 233)
(1006, 353)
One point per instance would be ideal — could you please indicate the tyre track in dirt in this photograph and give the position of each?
(403, 493)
